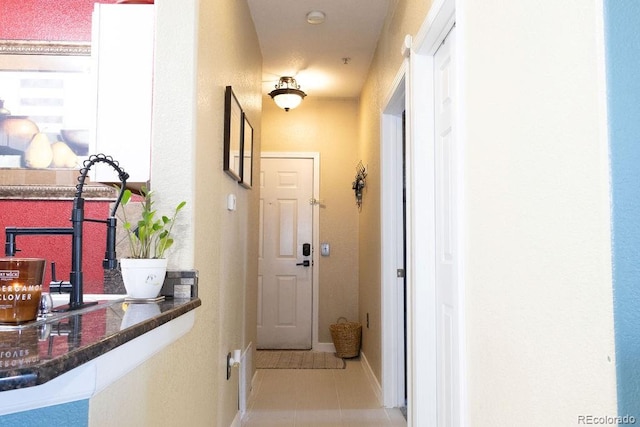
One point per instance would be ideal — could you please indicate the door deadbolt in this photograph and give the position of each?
(306, 249)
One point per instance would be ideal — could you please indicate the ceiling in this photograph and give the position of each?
(314, 54)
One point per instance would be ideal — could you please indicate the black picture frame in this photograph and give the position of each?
(232, 135)
(246, 168)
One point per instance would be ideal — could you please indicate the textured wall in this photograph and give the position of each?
(538, 286)
(186, 384)
(70, 414)
(56, 213)
(623, 60)
(68, 20)
(537, 248)
(327, 126)
(404, 17)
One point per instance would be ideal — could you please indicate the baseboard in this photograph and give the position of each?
(375, 384)
(237, 421)
(326, 347)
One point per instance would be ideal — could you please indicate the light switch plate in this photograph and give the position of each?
(325, 249)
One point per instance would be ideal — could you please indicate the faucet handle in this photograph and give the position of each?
(53, 271)
(10, 248)
(110, 261)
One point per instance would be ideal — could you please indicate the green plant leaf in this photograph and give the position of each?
(151, 236)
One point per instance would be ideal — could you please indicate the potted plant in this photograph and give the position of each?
(149, 239)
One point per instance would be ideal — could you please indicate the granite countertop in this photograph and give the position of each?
(34, 354)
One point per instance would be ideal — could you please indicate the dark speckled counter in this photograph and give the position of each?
(40, 352)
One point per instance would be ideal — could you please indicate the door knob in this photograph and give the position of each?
(305, 263)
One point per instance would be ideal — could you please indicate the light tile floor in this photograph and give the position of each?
(318, 398)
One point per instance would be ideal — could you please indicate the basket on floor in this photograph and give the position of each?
(346, 337)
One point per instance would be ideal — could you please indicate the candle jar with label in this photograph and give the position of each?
(20, 289)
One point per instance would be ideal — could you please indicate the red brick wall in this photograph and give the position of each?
(56, 213)
(65, 20)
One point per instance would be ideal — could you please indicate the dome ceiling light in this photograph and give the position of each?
(315, 17)
(287, 94)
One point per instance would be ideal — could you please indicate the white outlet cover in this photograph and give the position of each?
(231, 202)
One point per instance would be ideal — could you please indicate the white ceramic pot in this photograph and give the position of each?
(143, 278)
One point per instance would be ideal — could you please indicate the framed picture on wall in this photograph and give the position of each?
(246, 168)
(45, 88)
(232, 135)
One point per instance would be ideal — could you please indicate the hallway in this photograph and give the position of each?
(317, 397)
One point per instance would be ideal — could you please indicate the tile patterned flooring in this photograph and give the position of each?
(318, 398)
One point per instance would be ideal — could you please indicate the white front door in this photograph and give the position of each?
(446, 247)
(284, 271)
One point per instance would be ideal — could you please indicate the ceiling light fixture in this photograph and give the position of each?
(315, 17)
(287, 94)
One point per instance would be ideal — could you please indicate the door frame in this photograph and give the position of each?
(392, 298)
(315, 255)
(412, 90)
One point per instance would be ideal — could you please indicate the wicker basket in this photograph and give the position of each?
(346, 337)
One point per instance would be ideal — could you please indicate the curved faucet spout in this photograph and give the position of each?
(102, 158)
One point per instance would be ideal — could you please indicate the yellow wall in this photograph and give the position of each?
(405, 19)
(327, 126)
(535, 219)
(186, 384)
(537, 273)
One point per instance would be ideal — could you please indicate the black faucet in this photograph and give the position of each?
(75, 231)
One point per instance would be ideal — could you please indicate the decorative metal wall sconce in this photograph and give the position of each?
(359, 183)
